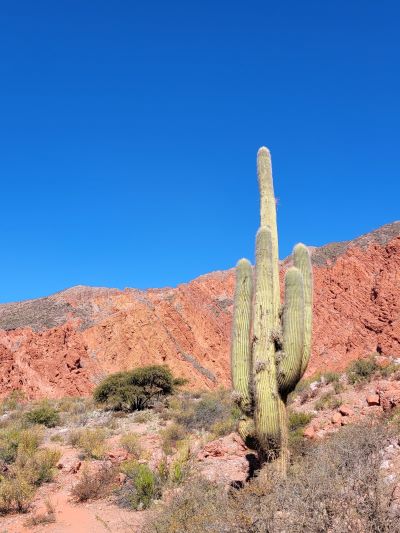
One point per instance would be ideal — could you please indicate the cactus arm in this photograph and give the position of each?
(302, 261)
(293, 331)
(241, 343)
(268, 218)
(264, 369)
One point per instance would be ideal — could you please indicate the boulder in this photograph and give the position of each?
(373, 399)
(227, 460)
(389, 394)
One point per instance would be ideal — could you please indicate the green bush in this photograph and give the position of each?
(43, 414)
(135, 390)
(362, 370)
(37, 467)
(141, 488)
(15, 439)
(299, 420)
(15, 495)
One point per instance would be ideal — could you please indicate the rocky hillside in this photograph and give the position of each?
(63, 344)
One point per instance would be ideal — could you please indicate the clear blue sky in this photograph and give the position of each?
(129, 130)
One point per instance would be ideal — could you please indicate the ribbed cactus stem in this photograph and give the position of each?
(241, 342)
(302, 261)
(293, 331)
(268, 218)
(264, 368)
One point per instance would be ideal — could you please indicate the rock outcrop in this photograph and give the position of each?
(65, 343)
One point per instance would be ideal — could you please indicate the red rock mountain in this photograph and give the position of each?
(65, 343)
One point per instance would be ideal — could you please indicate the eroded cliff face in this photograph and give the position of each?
(64, 344)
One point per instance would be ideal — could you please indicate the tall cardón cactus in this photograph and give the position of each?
(271, 343)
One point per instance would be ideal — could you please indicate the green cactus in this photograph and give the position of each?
(271, 343)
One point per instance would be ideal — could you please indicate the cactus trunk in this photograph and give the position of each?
(271, 344)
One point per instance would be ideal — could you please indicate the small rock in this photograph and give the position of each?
(75, 467)
(389, 394)
(345, 421)
(373, 399)
(122, 478)
(60, 466)
(309, 433)
(345, 410)
(336, 418)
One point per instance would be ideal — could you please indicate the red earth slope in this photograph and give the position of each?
(65, 343)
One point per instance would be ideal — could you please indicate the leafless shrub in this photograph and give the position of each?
(93, 485)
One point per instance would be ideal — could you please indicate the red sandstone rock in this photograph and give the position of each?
(63, 344)
(309, 433)
(226, 460)
(336, 418)
(373, 399)
(389, 394)
(346, 410)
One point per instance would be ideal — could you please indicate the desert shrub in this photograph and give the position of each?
(135, 390)
(141, 488)
(338, 387)
(130, 442)
(171, 436)
(331, 377)
(215, 410)
(336, 486)
(327, 401)
(388, 370)
(91, 440)
(37, 467)
(15, 495)
(15, 439)
(361, 370)
(44, 414)
(298, 420)
(92, 485)
(12, 401)
(143, 417)
(201, 506)
(179, 468)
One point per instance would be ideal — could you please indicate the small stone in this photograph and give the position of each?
(309, 432)
(345, 410)
(336, 418)
(373, 399)
(122, 478)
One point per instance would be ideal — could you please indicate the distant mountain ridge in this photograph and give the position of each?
(64, 343)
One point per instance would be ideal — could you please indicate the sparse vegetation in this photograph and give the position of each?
(298, 420)
(43, 413)
(130, 442)
(92, 485)
(171, 436)
(214, 412)
(362, 370)
(327, 401)
(135, 390)
(142, 486)
(90, 440)
(336, 486)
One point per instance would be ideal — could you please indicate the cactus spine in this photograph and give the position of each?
(271, 343)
